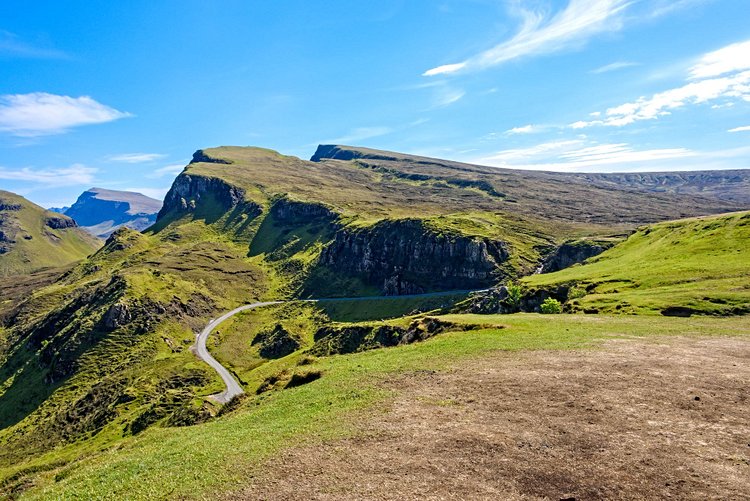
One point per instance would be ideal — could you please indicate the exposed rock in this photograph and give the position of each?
(60, 222)
(187, 191)
(118, 315)
(331, 340)
(406, 257)
(277, 343)
(201, 156)
(10, 206)
(678, 311)
(290, 211)
(572, 252)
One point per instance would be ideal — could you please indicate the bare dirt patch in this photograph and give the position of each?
(635, 420)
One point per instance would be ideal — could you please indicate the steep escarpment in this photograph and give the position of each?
(573, 252)
(408, 257)
(100, 211)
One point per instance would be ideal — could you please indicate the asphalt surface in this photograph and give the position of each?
(233, 388)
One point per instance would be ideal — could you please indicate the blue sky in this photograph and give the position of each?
(120, 94)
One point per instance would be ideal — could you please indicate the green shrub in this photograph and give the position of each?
(551, 306)
(514, 296)
(576, 293)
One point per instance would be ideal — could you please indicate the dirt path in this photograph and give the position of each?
(635, 420)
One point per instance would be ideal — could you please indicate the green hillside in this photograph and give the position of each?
(700, 265)
(98, 357)
(32, 238)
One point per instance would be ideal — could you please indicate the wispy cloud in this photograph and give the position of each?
(12, 46)
(136, 158)
(744, 128)
(65, 176)
(728, 59)
(39, 113)
(541, 33)
(581, 155)
(360, 134)
(169, 170)
(723, 74)
(526, 129)
(446, 96)
(619, 65)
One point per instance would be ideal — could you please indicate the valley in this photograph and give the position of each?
(324, 292)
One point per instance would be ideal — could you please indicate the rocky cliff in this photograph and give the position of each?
(407, 257)
(100, 211)
(573, 252)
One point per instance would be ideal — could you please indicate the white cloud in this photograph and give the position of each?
(581, 155)
(359, 134)
(526, 129)
(157, 193)
(619, 65)
(446, 68)
(729, 59)
(65, 176)
(39, 113)
(745, 128)
(542, 34)
(136, 158)
(169, 170)
(723, 74)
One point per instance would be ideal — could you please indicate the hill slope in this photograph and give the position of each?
(32, 238)
(699, 265)
(100, 211)
(100, 353)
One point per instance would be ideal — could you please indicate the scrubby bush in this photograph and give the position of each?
(551, 306)
(514, 296)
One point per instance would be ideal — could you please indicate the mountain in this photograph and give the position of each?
(102, 352)
(32, 238)
(100, 211)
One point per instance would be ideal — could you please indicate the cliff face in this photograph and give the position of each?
(100, 211)
(189, 193)
(573, 252)
(406, 257)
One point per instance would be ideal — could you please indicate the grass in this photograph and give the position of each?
(36, 245)
(699, 263)
(197, 461)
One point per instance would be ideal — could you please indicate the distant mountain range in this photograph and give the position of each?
(101, 212)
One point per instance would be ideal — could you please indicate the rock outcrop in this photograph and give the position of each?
(188, 192)
(407, 257)
(573, 252)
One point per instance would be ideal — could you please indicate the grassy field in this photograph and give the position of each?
(198, 461)
(700, 264)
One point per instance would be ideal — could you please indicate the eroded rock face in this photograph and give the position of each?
(406, 257)
(285, 210)
(59, 223)
(573, 252)
(188, 191)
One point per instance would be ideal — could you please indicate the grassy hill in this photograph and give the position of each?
(696, 265)
(32, 238)
(98, 356)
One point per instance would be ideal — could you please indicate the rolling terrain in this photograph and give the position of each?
(32, 238)
(98, 357)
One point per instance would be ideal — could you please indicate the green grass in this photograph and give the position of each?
(37, 245)
(196, 461)
(701, 263)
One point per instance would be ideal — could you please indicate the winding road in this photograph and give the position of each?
(233, 388)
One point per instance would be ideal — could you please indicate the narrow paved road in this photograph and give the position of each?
(233, 388)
